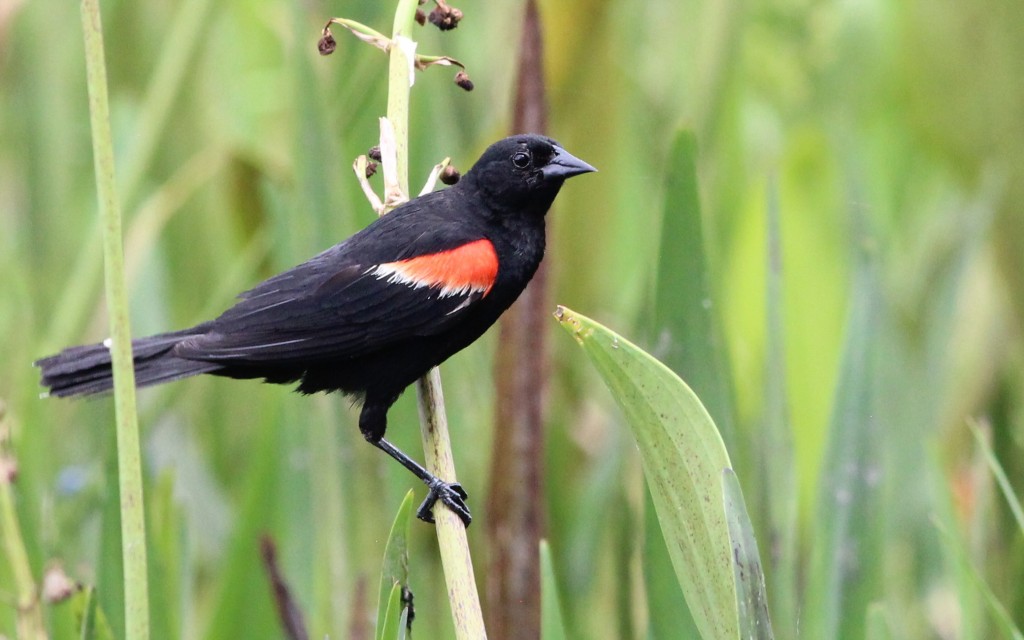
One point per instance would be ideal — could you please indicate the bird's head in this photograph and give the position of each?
(524, 170)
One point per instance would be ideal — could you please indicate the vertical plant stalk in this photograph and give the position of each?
(778, 483)
(451, 533)
(516, 514)
(29, 615)
(129, 464)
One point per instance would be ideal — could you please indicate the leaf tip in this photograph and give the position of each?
(571, 323)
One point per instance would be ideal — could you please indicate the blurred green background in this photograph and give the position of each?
(883, 141)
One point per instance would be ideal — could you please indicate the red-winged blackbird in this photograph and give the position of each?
(371, 315)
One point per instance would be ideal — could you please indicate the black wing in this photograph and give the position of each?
(341, 303)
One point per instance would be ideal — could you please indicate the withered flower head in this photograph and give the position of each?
(462, 79)
(326, 45)
(450, 175)
(444, 17)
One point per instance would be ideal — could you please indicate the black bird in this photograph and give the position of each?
(371, 315)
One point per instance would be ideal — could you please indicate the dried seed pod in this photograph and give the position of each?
(462, 79)
(444, 17)
(421, 18)
(326, 45)
(371, 168)
(450, 175)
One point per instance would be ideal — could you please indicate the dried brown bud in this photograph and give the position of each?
(421, 18)
(57, 586)
(450, 175)
(374, 153)
(371, 168)
(444, 17)
(327, 45)
(462, 79)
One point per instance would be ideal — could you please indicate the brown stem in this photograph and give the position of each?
(287, 609)
(516, 511)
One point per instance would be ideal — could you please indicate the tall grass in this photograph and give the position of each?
(882, 131)
(129, 463)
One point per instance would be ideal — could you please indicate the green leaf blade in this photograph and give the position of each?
(684, 320)
(394, 574)
(390, 627)
(846, 571)
(751, 595)
(683, 457)
(552, 624)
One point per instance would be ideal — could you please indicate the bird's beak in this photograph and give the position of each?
(565, 165)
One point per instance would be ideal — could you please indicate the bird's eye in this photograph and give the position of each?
(521, 159)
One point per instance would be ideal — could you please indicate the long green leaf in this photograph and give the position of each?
(846, 566)
(129, 457)
(92, 623)
(552, 627)
(668, 615)
(683, 458)
(775, 500)
(1004, 621)
(389, 626)
(751, 597)
(684, 329)
(684, 321)
(395, 572)
(998, 473)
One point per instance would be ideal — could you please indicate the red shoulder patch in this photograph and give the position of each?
(471, 268)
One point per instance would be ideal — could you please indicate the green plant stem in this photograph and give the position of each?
(399, 83)
(451, 533)
(133, 528)
(26, 598)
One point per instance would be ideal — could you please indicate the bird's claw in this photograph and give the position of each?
(451, 494)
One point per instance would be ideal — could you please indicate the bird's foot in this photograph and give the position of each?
(451, 494)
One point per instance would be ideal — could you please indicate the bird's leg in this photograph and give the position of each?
(373, 423)
(450, 493)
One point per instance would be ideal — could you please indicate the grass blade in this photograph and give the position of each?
(395, 572)
(777, 497)
(133, 524)
(389, 626)
(684, 322)
(1003, 619)
(669, 617)
(845, 574)
(552, 626)
(683, 458)
(998, 473)
(92, 623)
(751, 597)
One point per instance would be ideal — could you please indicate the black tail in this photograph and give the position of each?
(85, 370)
